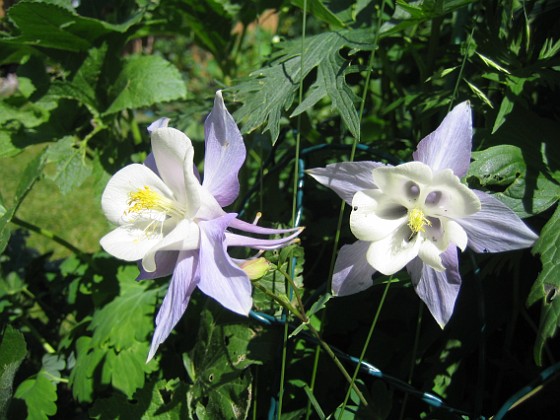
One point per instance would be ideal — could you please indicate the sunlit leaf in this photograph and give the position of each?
(71, 166)
(145, 81)
(39, 394)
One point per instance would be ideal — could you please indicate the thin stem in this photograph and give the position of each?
(47, 234)
(461, 69)
(366, 344)
(296, 182)
(329, 351)
(295, 290)
(413, 359)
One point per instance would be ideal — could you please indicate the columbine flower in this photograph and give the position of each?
(174, 224)
(417, 214)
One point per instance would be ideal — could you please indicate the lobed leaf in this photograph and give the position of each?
(547, 286)
(271, 90)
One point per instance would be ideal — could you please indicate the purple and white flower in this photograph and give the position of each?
(172, 223)
(417, 214)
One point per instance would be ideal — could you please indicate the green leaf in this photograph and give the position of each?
(479, 93)
(70, 162)
(88, 359)
(12, 352)
(525, 186)
(49, 25)
(149, 403)
(514, 87)
(126, 369)
(547, 285)
(499, 165)
(146, 81)
(39, 395)
(321, 12)
(271, 90)
(129, 317)
(220, 360)
(30, 175)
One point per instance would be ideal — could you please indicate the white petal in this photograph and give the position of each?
(392, 253)
(374, 215)
(130, 178)
(429, 254)
(397, 181)
(170, 148)
(447, 196)
(185, 236)
(455, 234)
(127, 243)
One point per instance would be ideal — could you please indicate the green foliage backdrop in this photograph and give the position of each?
(311, 82)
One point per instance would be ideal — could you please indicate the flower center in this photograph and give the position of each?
(417, 221)
(146, 199)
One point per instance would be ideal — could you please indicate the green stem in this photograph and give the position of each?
(48, 348)
(413, 359)
(295, 290)
(366, 344)
(461, 69)
(47, 234)
(339, 365)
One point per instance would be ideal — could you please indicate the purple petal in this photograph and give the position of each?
(150, 162)
(352, 272)
(161, 123)
(225, 153)
(346, 178)
(251, 228)
(165, 263)
(449, 146)
(496, 228)
(438, 289)
(184, 280)
(233, 239)
(220, 277)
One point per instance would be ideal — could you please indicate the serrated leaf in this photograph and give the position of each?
(72, 168)
(271, 90)
(146, 81)
(547, 285)
(129, 317)
(50, 25)
(12, 352)
(39, 395)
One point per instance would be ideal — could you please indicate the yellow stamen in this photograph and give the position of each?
(147, 199)
(143, 199)
(417, 221)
